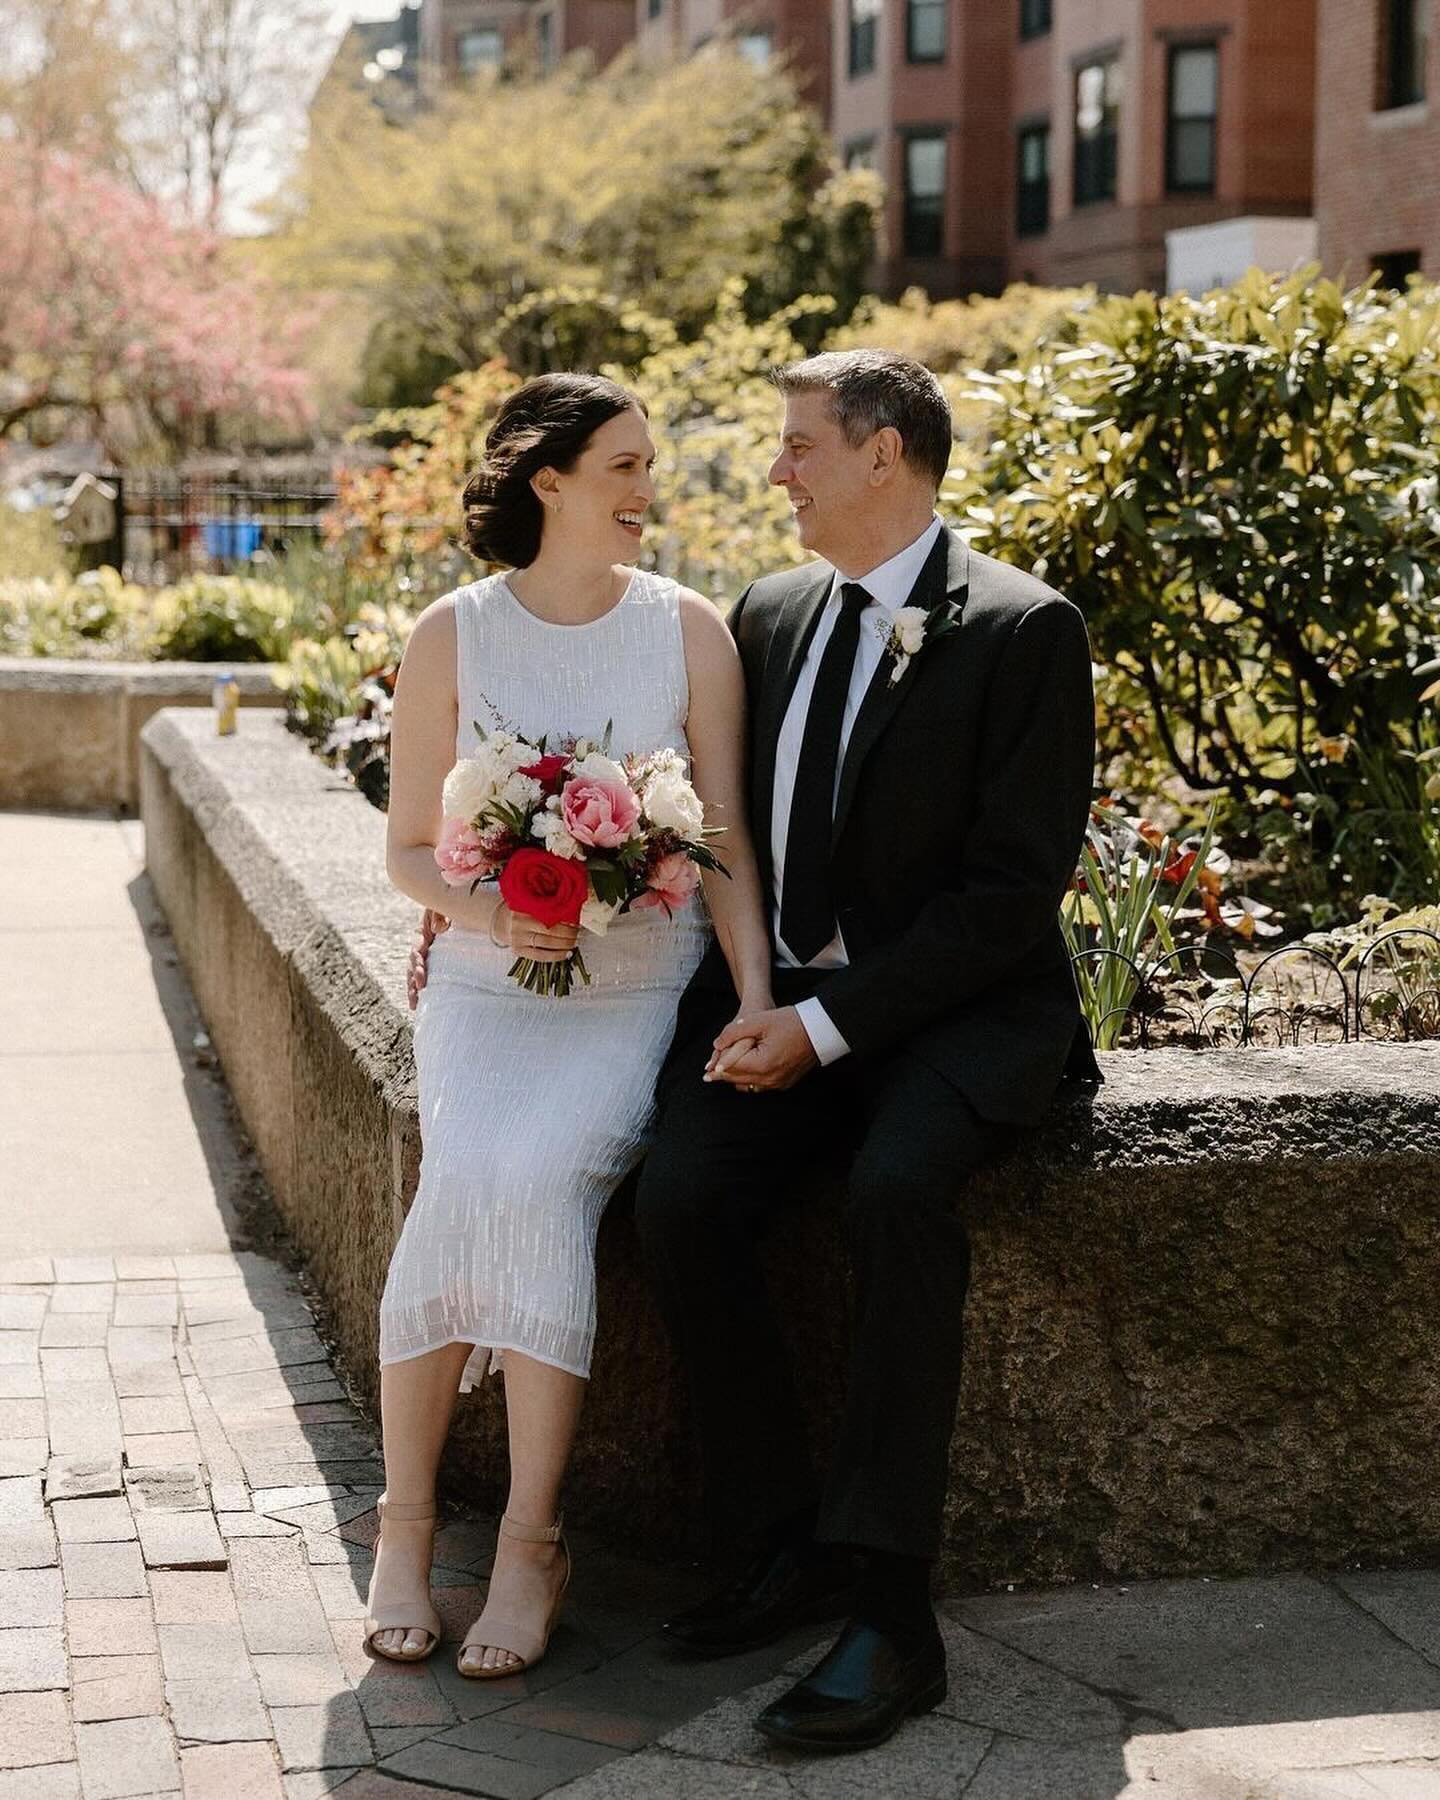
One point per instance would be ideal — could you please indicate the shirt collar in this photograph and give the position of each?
(890, 585)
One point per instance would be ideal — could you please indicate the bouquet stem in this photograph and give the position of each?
(553, 980)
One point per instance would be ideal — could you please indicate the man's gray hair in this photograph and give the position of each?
(869, 389)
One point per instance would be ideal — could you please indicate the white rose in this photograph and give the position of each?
(550, 829)
(595, 915)
(671, 803)
(664, 762)
(469, 787)
(599, 767)
(909, 625)
(521, 791)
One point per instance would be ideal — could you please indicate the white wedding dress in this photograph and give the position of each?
(532, 1110)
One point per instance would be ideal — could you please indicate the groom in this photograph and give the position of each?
(922, 756)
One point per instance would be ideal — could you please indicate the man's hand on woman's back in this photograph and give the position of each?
(431, 925)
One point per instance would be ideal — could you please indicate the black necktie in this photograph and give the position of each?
(807, 906)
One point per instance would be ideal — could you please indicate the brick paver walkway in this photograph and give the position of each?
(186, 1512)
(186, 1491)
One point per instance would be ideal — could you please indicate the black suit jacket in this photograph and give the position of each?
(964, 794)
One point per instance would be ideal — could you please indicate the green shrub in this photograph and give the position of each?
(220, 618)
(1240, 492)
(30, 544)
(96, 614)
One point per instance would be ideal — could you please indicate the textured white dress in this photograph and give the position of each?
(532, 1110)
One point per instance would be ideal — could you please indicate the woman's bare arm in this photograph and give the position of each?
(716, 729)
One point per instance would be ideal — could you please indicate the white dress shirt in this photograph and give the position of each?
(889, 587)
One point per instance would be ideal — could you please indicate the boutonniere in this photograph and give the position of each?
(911, 629)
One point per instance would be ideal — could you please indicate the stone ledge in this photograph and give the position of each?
(1200, 1328)
(70, 728)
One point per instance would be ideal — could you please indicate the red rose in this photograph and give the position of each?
(549, 771)
(549, 888)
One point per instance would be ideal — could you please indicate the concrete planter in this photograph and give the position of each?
(1201, 1328)
(70, 729)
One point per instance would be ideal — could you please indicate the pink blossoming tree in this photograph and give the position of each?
(116, 319)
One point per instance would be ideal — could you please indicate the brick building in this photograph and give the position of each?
(465, 38)
(798, 30)
(1377, 140)
(1059, 140)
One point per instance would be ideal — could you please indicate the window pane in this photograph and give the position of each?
(1192, 153)
(925, 168)
(926, 29)
(1034, 155)
(480, 50)
(1194, 73)
(860, 156)
(755, 47)
(1034, 18)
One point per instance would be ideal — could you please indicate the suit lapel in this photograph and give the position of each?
(946, 574)
(784, 655)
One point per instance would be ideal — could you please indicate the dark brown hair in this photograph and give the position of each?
(545, 424)
(869, 389)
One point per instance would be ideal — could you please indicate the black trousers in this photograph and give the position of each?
(722, 1165)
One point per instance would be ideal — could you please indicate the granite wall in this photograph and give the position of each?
(70, 729)
(1202, 1323)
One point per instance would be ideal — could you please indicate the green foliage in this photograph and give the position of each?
(654, 185)
(91, 615)
(30, 544)
(220, 618)
(955, 337)
(205, 618)
(1119, 920)
(1239, 491)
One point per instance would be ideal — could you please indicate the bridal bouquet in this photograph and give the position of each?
(572, 836)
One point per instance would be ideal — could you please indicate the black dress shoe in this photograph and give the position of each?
(780, 1589)
(859, 1693)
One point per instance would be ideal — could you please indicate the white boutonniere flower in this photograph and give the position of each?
(907, 638)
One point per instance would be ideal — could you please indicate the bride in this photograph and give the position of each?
(532, 1109)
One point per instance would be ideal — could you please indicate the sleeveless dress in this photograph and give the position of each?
(533, 1109)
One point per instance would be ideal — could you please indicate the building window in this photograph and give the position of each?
(1394, 266)
(1404, 42)
(925, 30)
(1032, 180)
(755, 47)
(925, 194)
(1190, 129)
(1035, 18)
(654, 8)
(1097, 130)
(479, 50)
(864, 23)
(860, 154)
(545, 39)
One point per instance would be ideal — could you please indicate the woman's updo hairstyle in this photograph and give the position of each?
(545, 424)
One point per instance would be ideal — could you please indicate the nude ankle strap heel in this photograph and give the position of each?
(414, 1616)
(497, 1630)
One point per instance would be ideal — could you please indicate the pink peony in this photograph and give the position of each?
(461, 855)
(598, 812)
(672, 881)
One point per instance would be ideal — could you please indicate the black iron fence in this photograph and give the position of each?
(1199, 997)
(177, 522)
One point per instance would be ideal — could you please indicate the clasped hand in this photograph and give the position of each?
(762, 1052)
